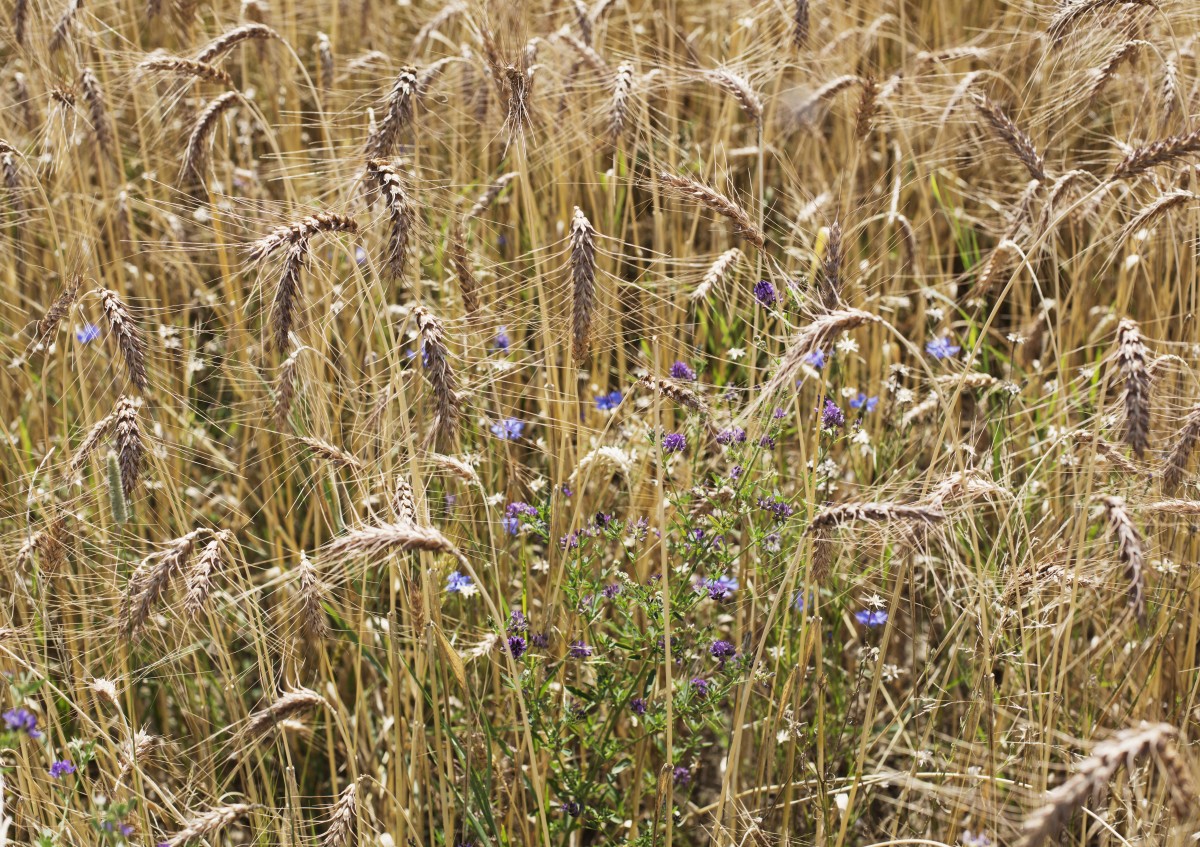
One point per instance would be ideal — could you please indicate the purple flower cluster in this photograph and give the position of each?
(733, 435)
(722, 651)
(682, 371)
(61, 768)
(778, 508)
(638, 706)
(502, 340)
(21, 720)
(701, 686)
(513, 514)
(674, 442)
(764, 293)
(516, 646)
(719, 588)
(580, 650)
(832, 417)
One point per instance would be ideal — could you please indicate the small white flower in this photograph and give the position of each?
(846, 344)
(736, 353)
(1016, 338)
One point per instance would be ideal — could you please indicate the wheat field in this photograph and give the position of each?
(645, 422)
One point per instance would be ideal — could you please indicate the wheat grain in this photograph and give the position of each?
(1012, 135)
(1129, 549)
(690, 189)
(583, 278)
(208, 823)
(436, 358)
(1131, 360)
(401, 213)
(221, 45)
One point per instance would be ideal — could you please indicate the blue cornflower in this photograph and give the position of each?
(459, 583)
(360, 256)
(22, 720)
(86, 333)
(862, 401)
(941, 348)
(502, 340)
(61, 768)
(764, 292)
(674, 442)
(608, 402)
(871, 617)
(816, 359)
(682, 370)
(509, 429)
(511, 525)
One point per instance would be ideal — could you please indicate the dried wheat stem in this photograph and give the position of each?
(330, 453)
(716, 273)
(1161, 205)
(91, 441)
(800, 24)
(222, 44)
(287, 295)
(1158, 741)
(404, 503)
(436, 358)
(618, 108)
(97, 110)
(287, 705)
(375, 541)
(128, 438)
(1129, 549)
(343, 819)
(128, 336)
(583, 277)
(1131, 360)
(677, 393)
(324, 51)
(208, 823)
(831, 268)
(58, 310)
(152, 578)
(66, 22)
(1161, 152)
(464, 272)
(300, 232)
(692, 190)
(199, 581)
(1073, 11)
(1181, 451)
(738, 86)
(195, 155)
(868, 106)
(401, 212)
(1012, 135)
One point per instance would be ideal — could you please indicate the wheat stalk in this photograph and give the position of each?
(195, 155)
(464, 272)
(716, 273)
(58, 310)
(128, 438)
(287, 705)
(1164, 151)
(1012, 135)
(1129, 549)
(129, 337)
(375, 541)
(441, 377)
(299, 233)
(738, 86)
(690, 189)
(208, 823)
(583, 277)
(225, 42)
(1073, 11)
(399, 114)
(342, 821)
(1094, 774)
(401, 213)
(490, 194)
(1185, 442)
(618, 109)
(311, 597)
(1131, 360)
(199, 581)
(329, 452)
(187, 68)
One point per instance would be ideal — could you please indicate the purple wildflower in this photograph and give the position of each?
(638, 706)
(611, 591)
(722, 650)
(540, 640)
(701, 686)
(674, 442)
(87, 333)
(517, 646)
(682, 370)
(511, 525)
(502, 340)
(719, 588)
(681, 775)
(517, 621)
(831, 416)
(571, 808)
(734, 435)
(779, 508)
(61, 768)
(22, 720)
(580, 650)
(764, 292)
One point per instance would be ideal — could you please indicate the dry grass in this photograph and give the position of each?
(588, 423)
